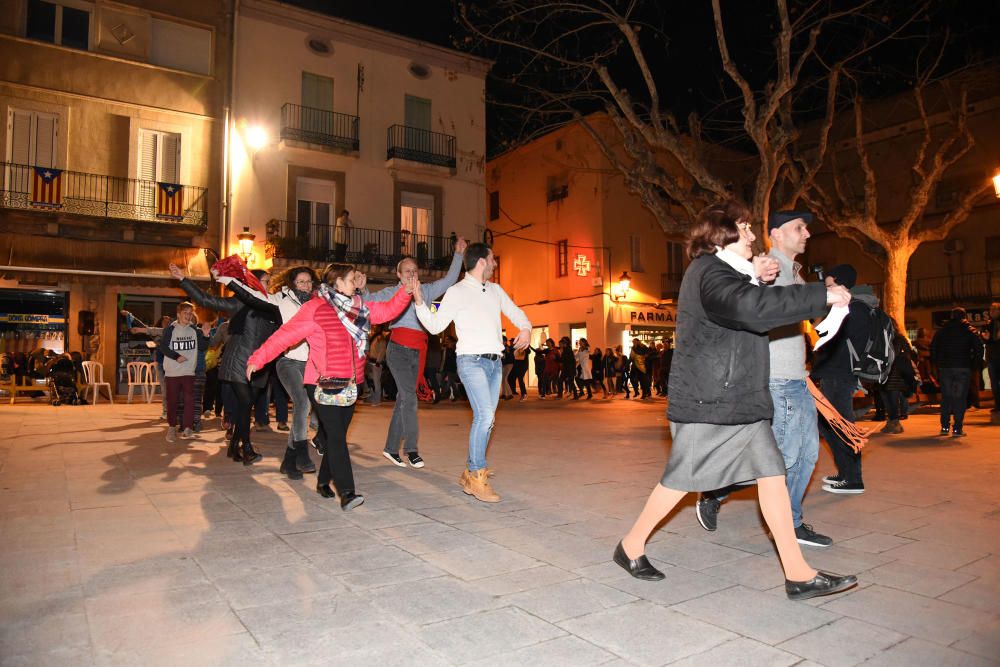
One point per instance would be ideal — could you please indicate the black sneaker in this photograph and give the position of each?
(415, 459)
(282, 426)
(707, 509)
(806, 535)
(944, 431)
(394, 458)
(831, 479)
(957, 434)
(845, 487)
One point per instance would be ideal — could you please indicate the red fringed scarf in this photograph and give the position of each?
(415, 340)
(234, 267)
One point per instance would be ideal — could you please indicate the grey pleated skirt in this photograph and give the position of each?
(705, 457)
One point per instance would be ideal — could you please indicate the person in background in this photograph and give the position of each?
(991, 337)
(624, 368)
(552, 369)
(586, 366)
(519, 371)
(342, 235)
(955, 349)
(540, 374)
(376, 361)
(567, 370)
(900, 384)
(432, 365)
(507, 365)
(597, 371)
(449, 369)
(180, 345)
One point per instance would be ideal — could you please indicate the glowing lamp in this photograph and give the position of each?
(246, 239)
(256, 137)
(620, 293)
(996, 184)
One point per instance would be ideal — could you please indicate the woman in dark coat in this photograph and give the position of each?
(899, 386)
(720, 405)
(253, 319)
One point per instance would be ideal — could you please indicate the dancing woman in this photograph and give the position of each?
(720, 405)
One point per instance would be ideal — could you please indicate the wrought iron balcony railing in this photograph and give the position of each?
(357, 245)
(320, 127)
(35, 188)
(947, 290)
(411, 143)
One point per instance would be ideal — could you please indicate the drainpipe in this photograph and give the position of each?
(227, 169)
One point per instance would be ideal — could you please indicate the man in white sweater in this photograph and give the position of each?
(474, 304)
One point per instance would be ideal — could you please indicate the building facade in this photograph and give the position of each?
(112, 164)
(331, 116)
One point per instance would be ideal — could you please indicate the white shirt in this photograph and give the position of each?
(475, 309)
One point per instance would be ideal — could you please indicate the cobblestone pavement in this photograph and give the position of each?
(119, 548)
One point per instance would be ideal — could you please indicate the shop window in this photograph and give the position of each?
(65, 23)
(562, 258)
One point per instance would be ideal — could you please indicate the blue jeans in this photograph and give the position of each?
(795, 428)
(481, 379)
(954, 395)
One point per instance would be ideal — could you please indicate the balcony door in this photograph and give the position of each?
(418, 124)
(159, 161)
(315, 214)
(416, 220)
(317, 104)
(32, 140)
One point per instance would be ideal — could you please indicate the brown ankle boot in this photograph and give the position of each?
(478, 484)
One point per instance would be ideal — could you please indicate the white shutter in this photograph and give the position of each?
(170, 158)
(19, 137)
(46, 127)
(147, 155)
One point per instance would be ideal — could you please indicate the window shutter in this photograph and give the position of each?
(170, 159)
(147, 156)
(19, 137)
(45, 140)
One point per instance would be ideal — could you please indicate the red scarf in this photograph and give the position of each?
(415, 340)
(234, 267)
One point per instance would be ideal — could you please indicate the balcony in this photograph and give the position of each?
(670, 285)
(327, 129)
(416, 145)
(109, 197)
(948, 290)
(374, 247)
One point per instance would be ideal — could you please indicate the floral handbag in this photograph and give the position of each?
(336, 391)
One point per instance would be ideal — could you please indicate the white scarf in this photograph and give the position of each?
(742, 265)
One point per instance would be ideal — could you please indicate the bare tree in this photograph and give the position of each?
(571, 56)
(940, 146)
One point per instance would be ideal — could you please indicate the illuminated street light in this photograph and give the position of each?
(996, 184)
(256, 137)
(246, 239)
(620, 292)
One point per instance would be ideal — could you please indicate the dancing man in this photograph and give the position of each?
(474, 305)
(406, 354)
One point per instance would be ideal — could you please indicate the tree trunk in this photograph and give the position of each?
(896, 266)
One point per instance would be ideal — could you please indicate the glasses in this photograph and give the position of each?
(743, 226)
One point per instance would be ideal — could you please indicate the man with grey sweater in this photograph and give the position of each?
(794, 422)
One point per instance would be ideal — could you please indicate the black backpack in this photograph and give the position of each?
(875, 361)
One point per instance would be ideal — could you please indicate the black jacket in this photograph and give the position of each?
(721, 362)
(253, 321)
(833, 360)
(957, 345)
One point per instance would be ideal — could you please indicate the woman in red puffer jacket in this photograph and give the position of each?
(335, 323)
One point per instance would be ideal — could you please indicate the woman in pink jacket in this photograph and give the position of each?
(336, 324)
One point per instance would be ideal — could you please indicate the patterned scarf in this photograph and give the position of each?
(353, 314)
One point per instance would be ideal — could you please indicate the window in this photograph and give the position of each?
(180, 46)
(416, 220)
(556, 188)
(495, 205)
(66, 23)
(635, 248)
(159, 156)
(32, 138)
(562, 258)
(314, 212)
(675, 260)
(418, 112)
(317, 91)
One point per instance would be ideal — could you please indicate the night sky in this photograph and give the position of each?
(681, 47)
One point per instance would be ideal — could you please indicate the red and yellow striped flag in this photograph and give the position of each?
(170, 201)
(46, 188)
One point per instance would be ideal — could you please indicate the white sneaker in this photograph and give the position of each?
(187, 434)
(171, 434)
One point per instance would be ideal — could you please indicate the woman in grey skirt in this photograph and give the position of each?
(720, 406)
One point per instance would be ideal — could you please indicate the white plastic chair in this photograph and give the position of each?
(153, 382)
(137, 379)
(93, 375)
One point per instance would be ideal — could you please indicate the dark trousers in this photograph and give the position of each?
(176, 388)
(517, 376)
(336, 463)
(895, 403)
(840, 393)
(584, 384)
(228, 401)
(199, 396)
(245, 396)
(213, 391)
(954, 392)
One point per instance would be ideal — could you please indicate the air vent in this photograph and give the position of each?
(319, 46)
(420, 71)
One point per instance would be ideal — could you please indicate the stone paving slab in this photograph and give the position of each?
(121, 549)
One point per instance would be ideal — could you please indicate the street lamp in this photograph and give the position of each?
(620, 292)
(245, 240)
(996, 183)
(256, 137)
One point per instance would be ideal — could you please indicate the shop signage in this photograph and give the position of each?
(645, 316)
(30, 318)
(581, 265)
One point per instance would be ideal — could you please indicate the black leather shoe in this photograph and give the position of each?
(325, 491)
(250, 456)
(349, 500)
(233, 452)
(288, 467)
(824, 583)
(302, 460)
(640, 568)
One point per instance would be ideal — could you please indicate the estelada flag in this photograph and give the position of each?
(169, 201)
(46, 187)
